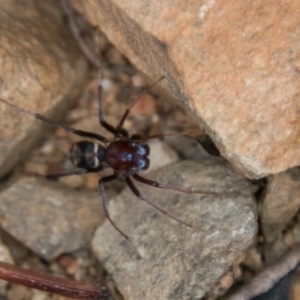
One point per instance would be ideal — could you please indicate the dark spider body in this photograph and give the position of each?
(120, 155)
(128, 155)
(125, 155)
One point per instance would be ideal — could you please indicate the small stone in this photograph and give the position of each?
(19, 292)
(145, 106)
(18, 251)
(226, 281)
(236, 268)
(48, 147)
(50, 219)
(107, 84)
(69, 263)
(92, 181)
(288, 239)
(161, 154)
(253, 259)
(280, 202)
(75, 181)
(188, 147)
(274, 251)
(138, 81)
(35, 168)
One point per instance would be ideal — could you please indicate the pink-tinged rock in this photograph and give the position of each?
(42, 70)
(234, 64)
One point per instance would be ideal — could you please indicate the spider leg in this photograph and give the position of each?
(95, 61)
(158, 136)
(106, 212)
(67, 173)
(127, 111)
(75, 172)
(160, 209)
(76, 33)
(170, 187)
(105, 124)
(59, 125)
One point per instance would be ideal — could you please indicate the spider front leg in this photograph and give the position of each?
(67, 173)
(127, 111)
(115, 131)
(169, 187)
(54, 123)
(144, 138)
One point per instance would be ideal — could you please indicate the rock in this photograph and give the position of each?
(178, 262)
(253, 260)
(76, 181)
(19, 292)
(234, 64)
(188, 147)
(47, 217)
(274, 250)
(280, 203)
(146, 105)
(274, 282)
(161, 154)
(42, 70)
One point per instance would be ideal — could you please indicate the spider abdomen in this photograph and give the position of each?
(87, 155)
(126, 155)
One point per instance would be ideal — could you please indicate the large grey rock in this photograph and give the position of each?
(178, 262)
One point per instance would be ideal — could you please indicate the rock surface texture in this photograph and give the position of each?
(234, 64)
(179, 262)
(42, 70)
(54, 219)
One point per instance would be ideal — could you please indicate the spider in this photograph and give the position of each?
(125, 155)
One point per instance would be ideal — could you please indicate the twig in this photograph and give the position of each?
(267, 278)
(46, 282)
